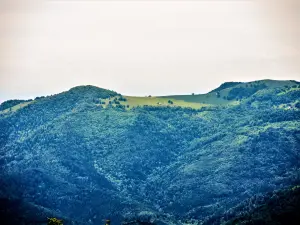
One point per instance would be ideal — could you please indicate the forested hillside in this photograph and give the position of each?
(89, 154)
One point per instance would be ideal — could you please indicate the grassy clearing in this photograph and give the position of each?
(209, 98)
(16, 107)
(161, 101)
(133, 101)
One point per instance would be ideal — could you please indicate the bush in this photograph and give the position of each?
(122, 99)
(54, 221)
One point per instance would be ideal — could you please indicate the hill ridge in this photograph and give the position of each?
(153, 158)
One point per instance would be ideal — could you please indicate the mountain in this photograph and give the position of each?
(89, 154)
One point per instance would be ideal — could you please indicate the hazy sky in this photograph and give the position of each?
(143, 47)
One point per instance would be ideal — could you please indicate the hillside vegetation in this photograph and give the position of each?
(89, 154)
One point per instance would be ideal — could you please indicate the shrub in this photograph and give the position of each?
(54, 221)
(122, 99)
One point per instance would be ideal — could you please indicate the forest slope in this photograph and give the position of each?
(170, 162)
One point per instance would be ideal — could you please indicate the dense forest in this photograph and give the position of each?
(231, 156)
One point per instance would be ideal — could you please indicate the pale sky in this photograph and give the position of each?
(141, 47)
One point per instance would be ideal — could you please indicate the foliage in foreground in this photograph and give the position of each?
(274, 208)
